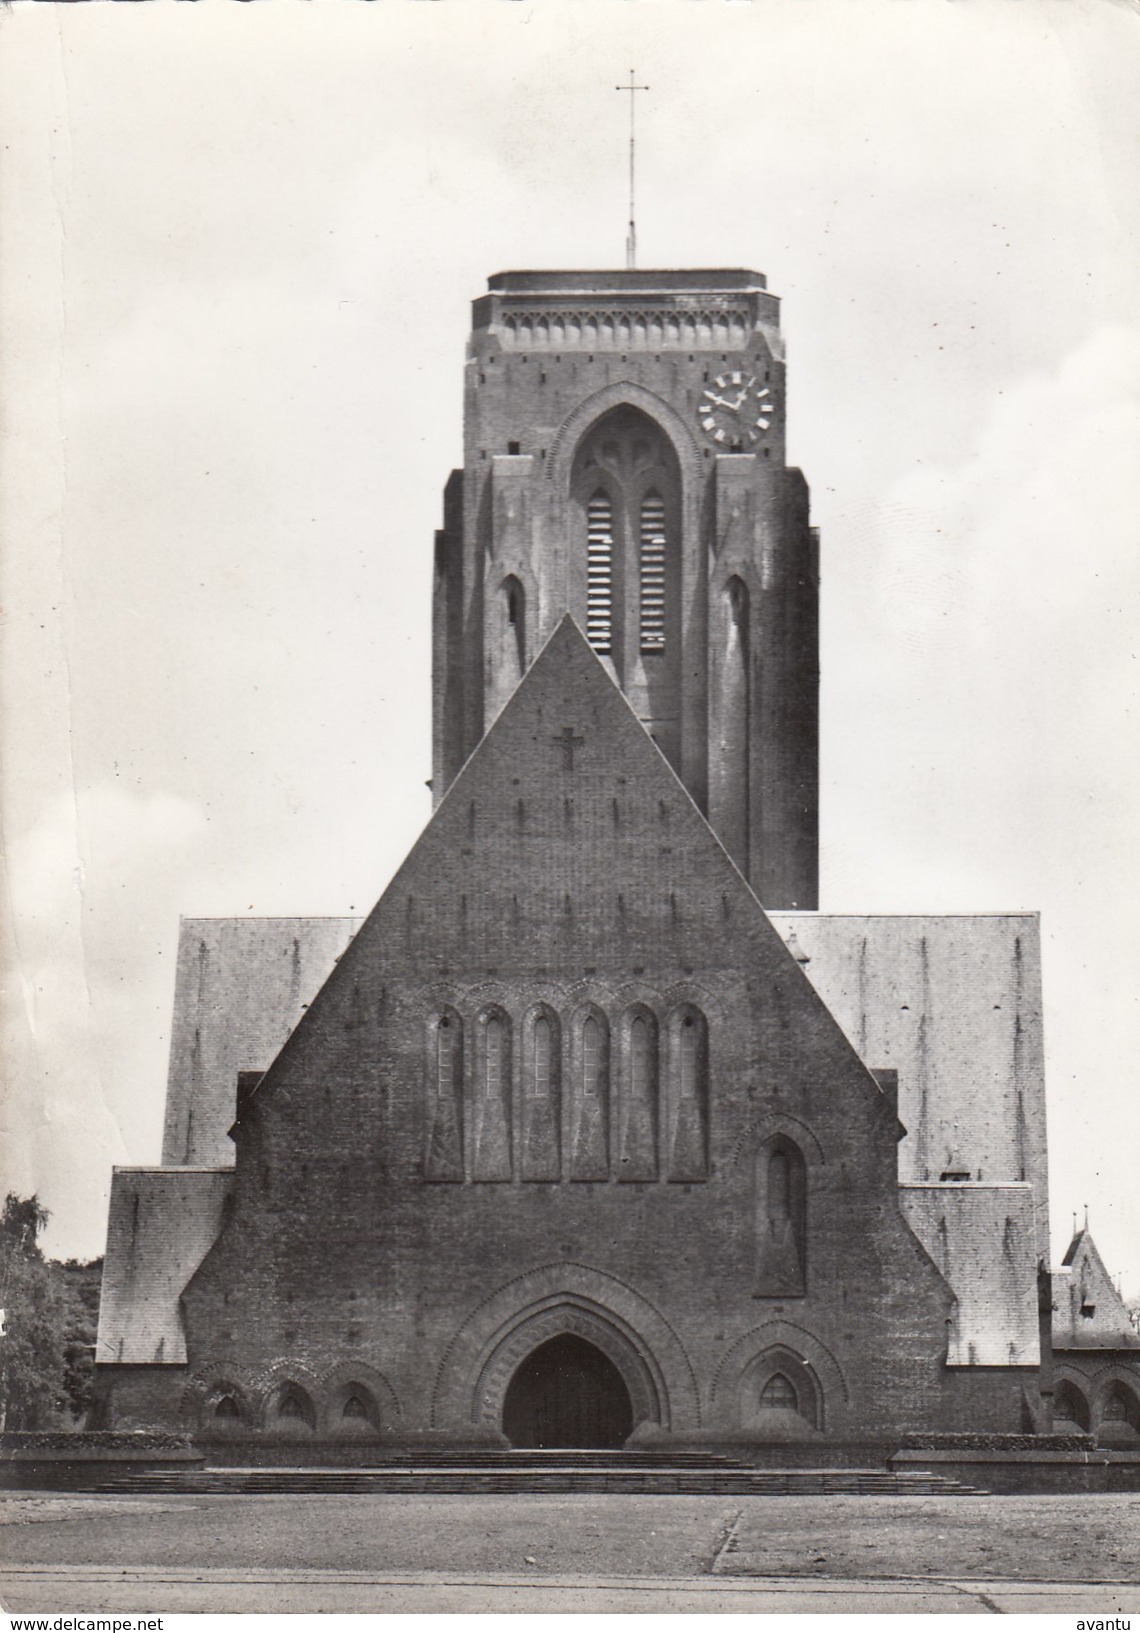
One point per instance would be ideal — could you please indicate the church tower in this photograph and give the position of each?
(624, 462)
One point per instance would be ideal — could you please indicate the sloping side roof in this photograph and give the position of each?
(982, 1239)
(1088, 1312)
(953, 1003)
(240, 988)
(162, 1222)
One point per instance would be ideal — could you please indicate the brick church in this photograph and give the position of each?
(596, 1132)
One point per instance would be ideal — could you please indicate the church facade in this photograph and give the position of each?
(596, 1132)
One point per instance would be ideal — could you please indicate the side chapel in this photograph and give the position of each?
(596, 1131)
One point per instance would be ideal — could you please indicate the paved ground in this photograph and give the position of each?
(1079, 1555)
(92, 1589)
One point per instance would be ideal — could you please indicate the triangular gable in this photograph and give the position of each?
(566, 844)
(566, 830)
(1088, 1312)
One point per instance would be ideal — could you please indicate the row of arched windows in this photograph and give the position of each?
(290, 1409)
(1114, 1414)
(581, 1097)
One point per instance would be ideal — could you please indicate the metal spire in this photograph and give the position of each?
(631, 239)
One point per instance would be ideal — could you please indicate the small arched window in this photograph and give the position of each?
(1121, 1408)
(1070, 1405)
(652, 573)
(226, 1411)
(779, 1394)
(354, 1407)
(600, 572)
(291, 1406)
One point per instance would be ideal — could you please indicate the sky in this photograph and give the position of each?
(240, 247)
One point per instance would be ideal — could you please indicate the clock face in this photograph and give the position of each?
(737, 408)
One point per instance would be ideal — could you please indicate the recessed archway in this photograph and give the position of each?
(567, 1394)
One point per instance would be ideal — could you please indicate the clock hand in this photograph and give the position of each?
(723, 402)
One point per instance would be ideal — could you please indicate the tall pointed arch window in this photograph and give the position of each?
(685, 1103)
(446, 1043)
(690, 1058)
(637, 1108)
(443, 1159)
(490, 1124)
(640, 1058)
(542, 1047)
(651, 542)
(627, 511)
(591, 1058)
(781, 1222)
(540, 1153)
(600, 572)
(514, 606)
(588, 1120)
(493, 1058)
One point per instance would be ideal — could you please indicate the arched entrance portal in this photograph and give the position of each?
(566, 1393)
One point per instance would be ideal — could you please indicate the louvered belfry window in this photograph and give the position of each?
(652, 573)
(600, 573)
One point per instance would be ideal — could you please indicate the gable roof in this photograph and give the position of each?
(953, 1003)
(1088, 1312)
(240, 987)
(161, 1224)
(568, 844)
(568, 802)
(982, 1239)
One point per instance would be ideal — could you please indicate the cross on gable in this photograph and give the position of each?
(568, 742)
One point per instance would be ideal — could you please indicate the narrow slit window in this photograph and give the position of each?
(652, 573)
(600, 573)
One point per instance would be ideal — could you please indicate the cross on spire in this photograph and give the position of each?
(631, 240)
(567, 741)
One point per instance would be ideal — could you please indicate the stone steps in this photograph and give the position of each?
(695, 1477)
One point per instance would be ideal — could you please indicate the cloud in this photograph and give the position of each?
(86, 1004)
(983, 750)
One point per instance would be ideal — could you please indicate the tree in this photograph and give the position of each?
(81, 1282)
(47, 1340)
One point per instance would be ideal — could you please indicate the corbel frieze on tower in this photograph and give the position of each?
(624, 462)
